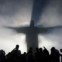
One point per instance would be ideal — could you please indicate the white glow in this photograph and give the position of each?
(20, 39)
(52, 14)
(15, 14)
(8, 42)
(45, 42)
(22, 17)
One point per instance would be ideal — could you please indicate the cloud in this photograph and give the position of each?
(18, 13)
(13, 13)
(38, 8)
(52, 16)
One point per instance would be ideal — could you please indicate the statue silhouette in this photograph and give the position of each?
(32, 33)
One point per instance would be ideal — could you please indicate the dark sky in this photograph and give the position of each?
(20, 12)
(38, 7)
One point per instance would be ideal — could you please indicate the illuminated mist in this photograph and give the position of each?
(17, 13)
(14, 13)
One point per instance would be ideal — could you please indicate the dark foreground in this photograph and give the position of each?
(40, 55)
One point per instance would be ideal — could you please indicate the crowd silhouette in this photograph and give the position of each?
(40, 55)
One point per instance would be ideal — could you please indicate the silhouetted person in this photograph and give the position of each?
(30, 57)
(14, 55)
(38, 55)
(41, 54)
(17, 47)
(2, 56)
(55, 55)
(16, 50)
(23, 57)
(45, 55)
(61, 54)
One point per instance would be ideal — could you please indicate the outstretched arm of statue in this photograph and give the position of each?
(18, 29)
(47, 29)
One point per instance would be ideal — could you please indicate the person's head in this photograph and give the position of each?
(60, 50)
(2, 52)
(40, 49)
(53, 48)
(17, 47)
